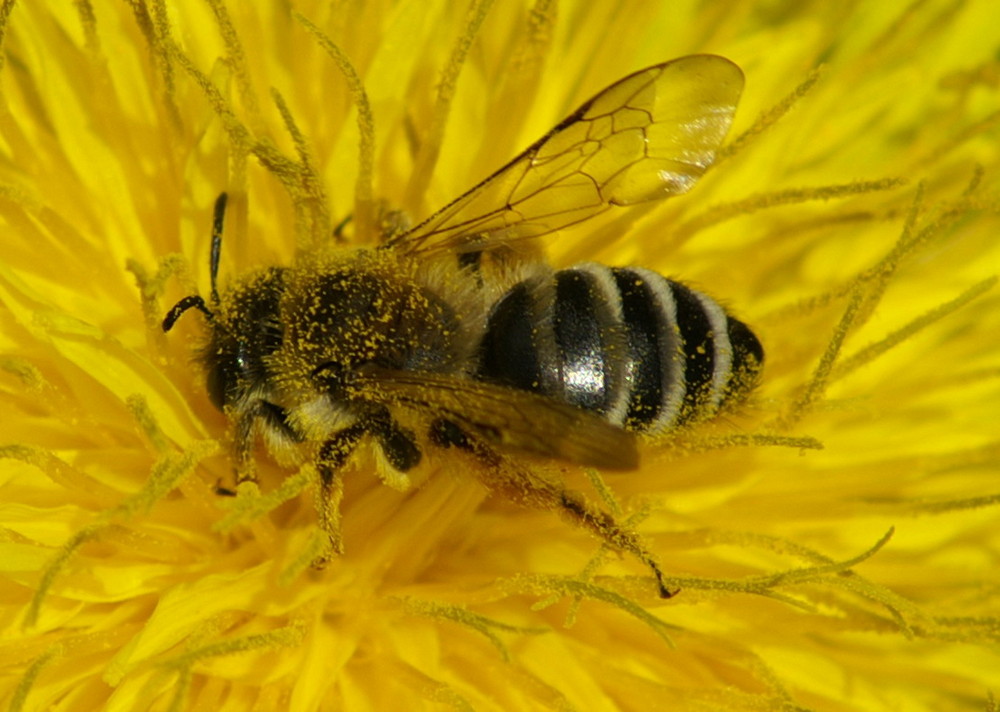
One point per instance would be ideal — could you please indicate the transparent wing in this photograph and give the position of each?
(506, 416)
(646, 137)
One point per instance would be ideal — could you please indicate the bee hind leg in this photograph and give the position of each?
(517, 483)
(605, 526)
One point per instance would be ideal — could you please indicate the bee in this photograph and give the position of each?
(448, 336)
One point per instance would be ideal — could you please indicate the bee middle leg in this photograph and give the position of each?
(332, 456)
(518, 484)
(398, 445)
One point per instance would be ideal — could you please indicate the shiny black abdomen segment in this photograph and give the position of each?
(643, 329)
(579, 340)
(746, 346)
(698, 345)
(508, 354)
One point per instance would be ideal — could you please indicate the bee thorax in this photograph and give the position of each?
(367, 312)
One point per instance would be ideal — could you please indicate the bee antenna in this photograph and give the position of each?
(192, 302)
(218, 216)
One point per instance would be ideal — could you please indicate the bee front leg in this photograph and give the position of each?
(243, 439)
(262, 415)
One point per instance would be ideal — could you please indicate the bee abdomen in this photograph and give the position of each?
(646, 352)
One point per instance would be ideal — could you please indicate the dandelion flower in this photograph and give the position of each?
(833, 539)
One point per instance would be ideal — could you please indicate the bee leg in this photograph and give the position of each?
(517, 483)
(606, 527)
(273, 417)
(222, 490)
(243, 437)
(400, 449)
(332, 456)
(399, 445)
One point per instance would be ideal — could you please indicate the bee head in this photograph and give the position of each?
(244, 324)
(245, 330)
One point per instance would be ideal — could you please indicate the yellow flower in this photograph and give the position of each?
(834, 539)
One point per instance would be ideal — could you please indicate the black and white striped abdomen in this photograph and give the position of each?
(646, 352)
